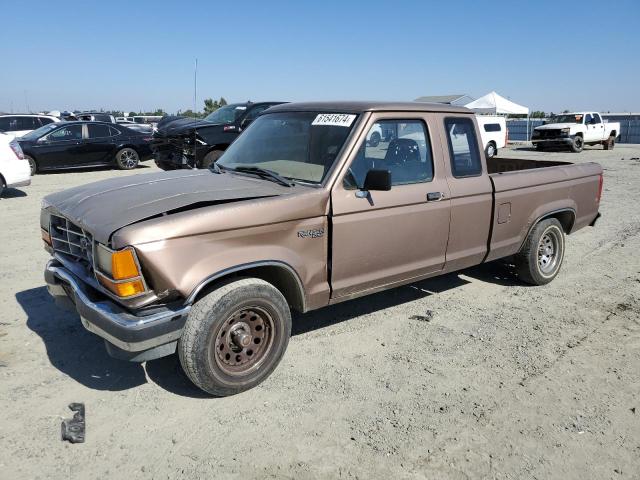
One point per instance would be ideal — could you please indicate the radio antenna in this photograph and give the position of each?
(195, 99)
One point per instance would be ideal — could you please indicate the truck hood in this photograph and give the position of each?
(182, 125)
(103, 207)
(556, 126)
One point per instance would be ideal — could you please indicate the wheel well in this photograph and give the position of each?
(565, 217)
(579, 134)
(220, 146)
(613, 133)
(3, 183)
(280, 276)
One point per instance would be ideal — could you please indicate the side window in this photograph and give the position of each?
(70, 132)
(463, 147)
(45, 121)
(5, 123)
(400, 146)
(492, 127)
(597, 118)
(98, 131)
(114, 131)
(14, 124)
(587, 119)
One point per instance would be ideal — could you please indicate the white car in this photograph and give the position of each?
(493, 131)
(18, 124)
(14, 169)
(576, 130)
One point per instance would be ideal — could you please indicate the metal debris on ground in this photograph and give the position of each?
(73, 428)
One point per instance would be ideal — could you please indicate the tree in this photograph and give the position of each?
(210, 106)
(538, 114)
(222, 102)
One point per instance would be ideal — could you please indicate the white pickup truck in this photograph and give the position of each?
(576, 130)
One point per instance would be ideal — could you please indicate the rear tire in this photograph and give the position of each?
(374, 141)
(127, 159)
(235, 336)
(541, 256)
(32, 165)
(610, 143)
(211, 158)
(490, 151)
(3, 185)
(578, 144)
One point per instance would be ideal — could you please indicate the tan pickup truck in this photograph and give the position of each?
(302, 211)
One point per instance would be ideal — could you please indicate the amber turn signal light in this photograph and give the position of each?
(45, 236)
(124, 289)
(123, 265)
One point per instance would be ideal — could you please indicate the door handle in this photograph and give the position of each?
(435, 196)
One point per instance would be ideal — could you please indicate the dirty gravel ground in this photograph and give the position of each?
(471, 375)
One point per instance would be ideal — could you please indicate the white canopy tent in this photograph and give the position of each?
(498, 105)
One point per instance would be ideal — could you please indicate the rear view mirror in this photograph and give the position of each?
(377, 180)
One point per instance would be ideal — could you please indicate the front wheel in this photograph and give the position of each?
(127, 159)
(235, 336)
(577, 144)
(374, 141)
(541, 256)
(211, 158)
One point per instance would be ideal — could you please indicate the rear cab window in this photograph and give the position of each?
(463, 147)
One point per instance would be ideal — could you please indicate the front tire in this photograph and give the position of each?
(541, 256)
(32, 165)
(578, 144)
(211, 158)
(235, 336)
(127, 159)
(374, 141)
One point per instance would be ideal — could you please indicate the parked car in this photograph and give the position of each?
(300, 213)
(493, 133)
(575, 130)
(14, 169)
(83, 144)
(21, 124)
(181, 142)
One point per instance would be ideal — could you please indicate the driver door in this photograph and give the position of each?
(382, 238)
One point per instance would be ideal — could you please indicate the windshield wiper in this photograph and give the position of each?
(264, 173)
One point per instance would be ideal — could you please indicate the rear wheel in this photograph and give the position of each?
(235, 336)
(609, 143)
(374, 141)
(32, 164)
(211, 158)
(541, 256)
(578, 144)
(127, 159)
(3, 185)
(490, 151)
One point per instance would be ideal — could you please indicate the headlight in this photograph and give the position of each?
(536, 133)
(119, 271)
(565, 131)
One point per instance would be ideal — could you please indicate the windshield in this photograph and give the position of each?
(570, 118)
(295, 145)
(226, 114)
(38, 132)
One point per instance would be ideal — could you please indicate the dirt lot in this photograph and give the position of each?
(471, 375)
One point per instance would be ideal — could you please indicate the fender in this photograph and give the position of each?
(250, 266)
(552, 213)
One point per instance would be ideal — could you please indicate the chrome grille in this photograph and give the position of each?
(69, 239)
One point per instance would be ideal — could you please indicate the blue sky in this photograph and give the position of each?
(139, 54)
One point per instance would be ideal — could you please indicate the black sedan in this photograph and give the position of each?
(65, 145)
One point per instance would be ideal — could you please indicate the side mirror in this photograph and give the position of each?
(42, 139)
(377, 180)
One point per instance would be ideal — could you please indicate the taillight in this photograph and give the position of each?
(147, 139)
(600, 189)
(229, 128)
(15, 146)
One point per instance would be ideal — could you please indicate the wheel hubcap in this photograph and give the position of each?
(128, 158)
(244, 340)
(548, 252)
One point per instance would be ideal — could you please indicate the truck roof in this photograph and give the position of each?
(361, 106)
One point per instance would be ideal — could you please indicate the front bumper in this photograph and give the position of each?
(122, 329)
(553, 141)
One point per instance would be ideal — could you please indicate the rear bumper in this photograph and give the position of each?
(126, 331)
(17, 173)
